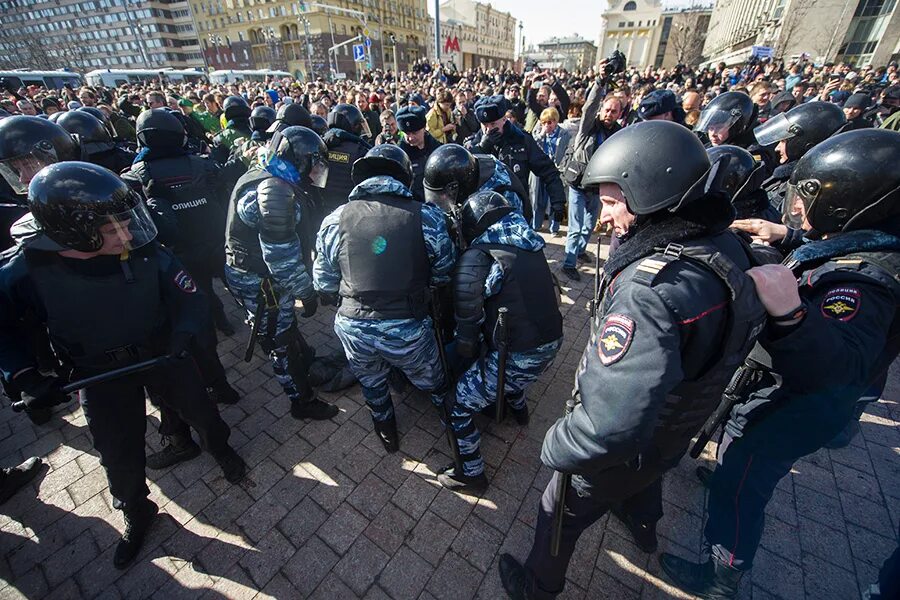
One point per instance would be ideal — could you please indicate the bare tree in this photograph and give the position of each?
(794, 16)
(687, 36)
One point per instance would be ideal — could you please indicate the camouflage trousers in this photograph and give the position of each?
(373, 347)
(477, 388)
(286, 347)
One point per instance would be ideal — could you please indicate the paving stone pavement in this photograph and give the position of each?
(325, 513)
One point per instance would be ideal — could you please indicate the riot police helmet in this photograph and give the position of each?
(57, 115)
(848, 182)
(802, 127)
(92, 134)
(4, 114)
(160, 130)
(262, 118)
(298, 154)
(727, 116)
(290, 115)
(451, 176)
(28, 144)
(383, 159)
(99, 114)
(742, 173)
(235, 107)
(659, 165)
(348, 118)
(319, 124)
(86, 207)
(480, 211)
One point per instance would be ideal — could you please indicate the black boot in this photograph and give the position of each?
(572, 273)
(38, 416)
(137, 522)
(704, 474)
(221, 392)
(233, 466)
(387, 433)
(514, 578)
(644, 534)
(712, 580)
(521, 415)
(176, 448)
(474, 484)
(315, 409)
(15, 478)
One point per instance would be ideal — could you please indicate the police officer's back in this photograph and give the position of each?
(346, 145)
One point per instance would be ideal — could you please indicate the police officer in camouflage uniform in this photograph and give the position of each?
(837, 308)
(503, 266)
(676, 316)
(237, 128)
(379, 253)
(264, 267)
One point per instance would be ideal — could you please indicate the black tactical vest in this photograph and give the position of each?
(692, 401)
(100, 322)
(528, 293)
(341, 157)
(385, 269)
(242, 249)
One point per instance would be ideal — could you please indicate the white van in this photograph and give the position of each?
(116, 77)
(52, 80)
(227, 76)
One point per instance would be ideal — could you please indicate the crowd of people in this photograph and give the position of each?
(754, 222)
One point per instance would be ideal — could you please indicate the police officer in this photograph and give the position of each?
(291, 115)
(517, 150)
(98, 246)
(794, 133)
(742, 181)
(264, 268)
(97, 145)
(318, 124)
(670, 330)
(452, 174)
(417, 143)
(187, 202)
(252, 150)
(346, 145)
(730, 118)
(837, 305)
(504, 266)
(237, 127)
(660, 105)
(378, 254)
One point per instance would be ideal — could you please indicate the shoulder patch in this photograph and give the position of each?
(338, 157)
(185, 282)
(841, 303)
(614, 338)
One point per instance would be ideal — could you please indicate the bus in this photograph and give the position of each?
(117, 77)
(52, 80)
(226, 76)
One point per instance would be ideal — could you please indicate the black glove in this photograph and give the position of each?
(558, 215)
(180, 344)
(329, 298)
(39, 391)
(310, 305)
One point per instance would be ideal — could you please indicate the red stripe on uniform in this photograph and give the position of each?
(703, 314)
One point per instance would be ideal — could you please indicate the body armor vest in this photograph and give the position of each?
(242, 250)
(385, 269)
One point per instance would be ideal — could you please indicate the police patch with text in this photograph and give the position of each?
(615, 338)
(841, 303)
(185, 282)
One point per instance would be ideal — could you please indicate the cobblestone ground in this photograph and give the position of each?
(325, 513)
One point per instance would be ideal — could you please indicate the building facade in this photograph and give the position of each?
(306, 38)
(632, 26)
(474, 34)
(571, 53)
(86, 34)
(682, 36)
(860, 32)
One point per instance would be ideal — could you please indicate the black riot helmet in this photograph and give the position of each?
(742, 174)
(658, 164)
(734, 112)
(802, 127)
(383, 159)
(849, 181)
(235, 107)
(28, 144)
(480, 211)
(160, 130)
(319, 125)
(350, 119)
(72, 201)
(262, 118)
(97, 113)
(298, 154)
(451, 175)
(290, 115)
(57, 115)
(92, 134)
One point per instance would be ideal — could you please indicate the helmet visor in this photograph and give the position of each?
(716, 120)
(18, 171)
(366, 132)
(318, 172)
(128, 230)
(444, 198)
(798, 200)
(774, 130)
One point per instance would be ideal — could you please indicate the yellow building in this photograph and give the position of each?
(299, 36)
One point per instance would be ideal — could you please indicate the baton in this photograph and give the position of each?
(562, 486)
(450, 389)
(105, 377)
(502, 352)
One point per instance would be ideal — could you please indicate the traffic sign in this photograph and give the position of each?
(359, 52)
(368, 42)
(365, 32)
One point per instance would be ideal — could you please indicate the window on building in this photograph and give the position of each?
(865, 31)
(631, 5)
(631, 23)
(621, 23)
